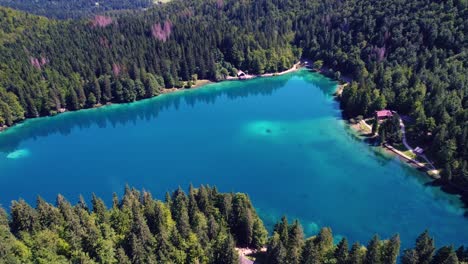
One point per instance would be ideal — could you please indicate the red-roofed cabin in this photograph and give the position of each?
(383, 114)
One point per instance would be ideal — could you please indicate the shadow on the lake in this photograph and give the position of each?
(149, 109)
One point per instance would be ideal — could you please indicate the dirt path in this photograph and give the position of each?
(432, 171)
(244, 252)
(295, 67)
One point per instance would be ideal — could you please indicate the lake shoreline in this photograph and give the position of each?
(363, 133)
(198, 84)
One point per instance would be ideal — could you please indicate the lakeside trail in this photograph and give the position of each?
(244, 252)
(295, 67)
(405, 143)
(340, 88)
(428, 166)
(201, 83)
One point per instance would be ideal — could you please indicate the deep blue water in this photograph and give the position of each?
(281, 140)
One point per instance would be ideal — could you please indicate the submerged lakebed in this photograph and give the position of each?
(281, 140)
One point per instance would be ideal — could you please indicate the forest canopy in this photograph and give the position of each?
(201, 226)
(65, 9)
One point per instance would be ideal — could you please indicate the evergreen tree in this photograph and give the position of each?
(107, 96)
(424, 248)
(390, 250)
(324, 240)
(23, 217)
(445, 255)
(276, 253)
(97, 91)
(224, 251)
(410, 256)
(356, 255)
(375, 125)
(311, 253)
(180, 212)
(341, 252)
(295, 243)
(374, 254)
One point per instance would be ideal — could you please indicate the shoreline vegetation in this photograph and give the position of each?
(406, 155)
(198, 84)
(201, 226)
(364, 131)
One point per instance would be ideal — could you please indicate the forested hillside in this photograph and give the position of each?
(408, 56)
(203, 226)
(64, 9)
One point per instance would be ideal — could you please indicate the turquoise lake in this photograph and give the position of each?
(280, 139)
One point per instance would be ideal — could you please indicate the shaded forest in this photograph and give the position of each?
(65, 9)
(408, 56)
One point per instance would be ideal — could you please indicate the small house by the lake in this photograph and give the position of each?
(241, 74)
(383, 114)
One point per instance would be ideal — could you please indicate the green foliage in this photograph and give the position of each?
(341, 252)
(283, 247)
(64, 9)
(137, 229)
(318, 64)
(374, 252)
(390, 130)
(424, 248)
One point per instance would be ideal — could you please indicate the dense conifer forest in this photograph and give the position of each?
(203, 226)
(65, 9)
(408, 56)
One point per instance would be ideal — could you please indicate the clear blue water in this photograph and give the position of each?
(281, 140)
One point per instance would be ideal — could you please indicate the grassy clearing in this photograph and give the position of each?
(405, 151)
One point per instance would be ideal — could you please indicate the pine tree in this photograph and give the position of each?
(282, 228)
(224, 251)
(118, 91)
(107, 95)
(260, 234)
(72, 102)
(356, 255)
(295, 243)
(375, 125)
(23, 217)
(91, 100)
(324, 240)
(425, 248)
(99, 208)
(180, 212)
(410, 256)
(311, 253)
(97, 90)
(276, 253)
(445, 255)
(391, 250)
(341, 252)
(374, 254)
